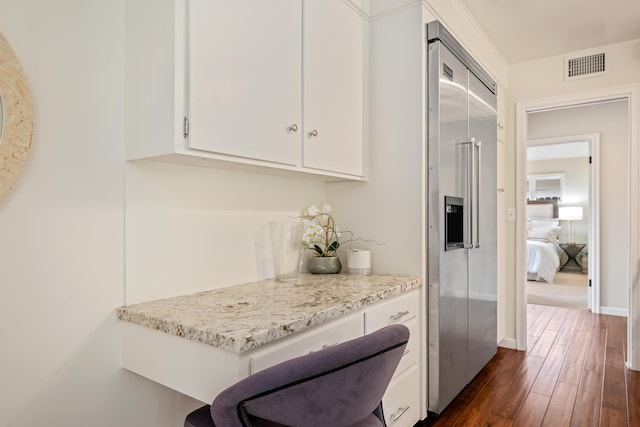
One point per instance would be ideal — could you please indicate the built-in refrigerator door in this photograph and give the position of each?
(482, 315)
(448, 158)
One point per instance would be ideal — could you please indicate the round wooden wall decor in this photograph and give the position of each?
(16, 119)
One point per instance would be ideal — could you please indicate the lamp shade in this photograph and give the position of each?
(570, 213)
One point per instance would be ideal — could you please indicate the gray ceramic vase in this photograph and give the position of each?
(325, 265)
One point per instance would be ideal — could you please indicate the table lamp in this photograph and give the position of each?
(570, 214)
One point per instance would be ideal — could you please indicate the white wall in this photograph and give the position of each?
(543, 79)
(62, 229)
(190, 229)
(575, 191)
(610, 120)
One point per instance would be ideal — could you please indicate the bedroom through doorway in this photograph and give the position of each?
(560, 183)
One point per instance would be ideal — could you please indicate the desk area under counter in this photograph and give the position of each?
(201, 343)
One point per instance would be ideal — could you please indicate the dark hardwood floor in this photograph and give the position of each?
(572, 374)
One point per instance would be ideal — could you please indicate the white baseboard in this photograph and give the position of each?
(613, 311)
(508, 343)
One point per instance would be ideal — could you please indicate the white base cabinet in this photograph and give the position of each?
(401, 402)
(202, 371)
(247, 84)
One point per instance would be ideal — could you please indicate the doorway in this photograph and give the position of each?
(566, 170)
(627, 250)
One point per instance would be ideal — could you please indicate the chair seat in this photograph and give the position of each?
(340, 386)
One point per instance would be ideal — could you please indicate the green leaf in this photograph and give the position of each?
(317, 249)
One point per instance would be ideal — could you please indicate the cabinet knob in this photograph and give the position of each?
(313, 133)
(293, 128)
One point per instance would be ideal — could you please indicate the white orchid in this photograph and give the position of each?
(321, 233)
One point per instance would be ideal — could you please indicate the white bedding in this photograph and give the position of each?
(542, 259)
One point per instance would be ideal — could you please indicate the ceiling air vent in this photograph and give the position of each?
(585, 66)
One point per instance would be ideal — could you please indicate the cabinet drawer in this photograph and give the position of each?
(396, 310)
(307, 342)
(411, 352)
(402, 399)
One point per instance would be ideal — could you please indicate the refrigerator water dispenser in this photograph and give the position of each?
(453, 223)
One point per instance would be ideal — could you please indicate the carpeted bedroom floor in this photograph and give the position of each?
(568, 290)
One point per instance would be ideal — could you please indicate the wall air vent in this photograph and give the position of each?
(584, 66)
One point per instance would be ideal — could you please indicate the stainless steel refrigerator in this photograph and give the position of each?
(462, 224)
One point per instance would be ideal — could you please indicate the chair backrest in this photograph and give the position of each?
(338, 386)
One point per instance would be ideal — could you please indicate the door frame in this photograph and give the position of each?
(593, 225)
(631, 94)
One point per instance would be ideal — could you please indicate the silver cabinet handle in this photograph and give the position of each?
(293, 128)
(405, 352)
(399, 315)
(313, 133)
(400, 413)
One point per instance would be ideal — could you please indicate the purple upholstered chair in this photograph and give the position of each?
(336, 387)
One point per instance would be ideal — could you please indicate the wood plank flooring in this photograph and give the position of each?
(572, 374)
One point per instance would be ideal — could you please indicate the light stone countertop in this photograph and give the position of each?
(242, 317)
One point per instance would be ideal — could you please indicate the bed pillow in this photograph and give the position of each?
(535, 223)
(544, 234)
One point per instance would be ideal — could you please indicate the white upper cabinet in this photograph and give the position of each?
(334, 57)
(245, 78)
(270, 83)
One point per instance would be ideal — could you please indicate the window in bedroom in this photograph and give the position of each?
(545, 186)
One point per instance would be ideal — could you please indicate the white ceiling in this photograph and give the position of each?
(523, 30)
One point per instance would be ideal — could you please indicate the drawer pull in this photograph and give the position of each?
(405, 353)
(399, 315)
(395, 417)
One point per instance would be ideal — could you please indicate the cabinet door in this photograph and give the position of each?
(334, 39)
(245, 78)
(401, 402)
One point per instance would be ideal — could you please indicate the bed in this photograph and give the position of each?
(544, 254)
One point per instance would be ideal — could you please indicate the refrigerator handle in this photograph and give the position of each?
(471, 161)
(478, 146)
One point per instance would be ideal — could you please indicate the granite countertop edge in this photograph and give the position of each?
(218, 329)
